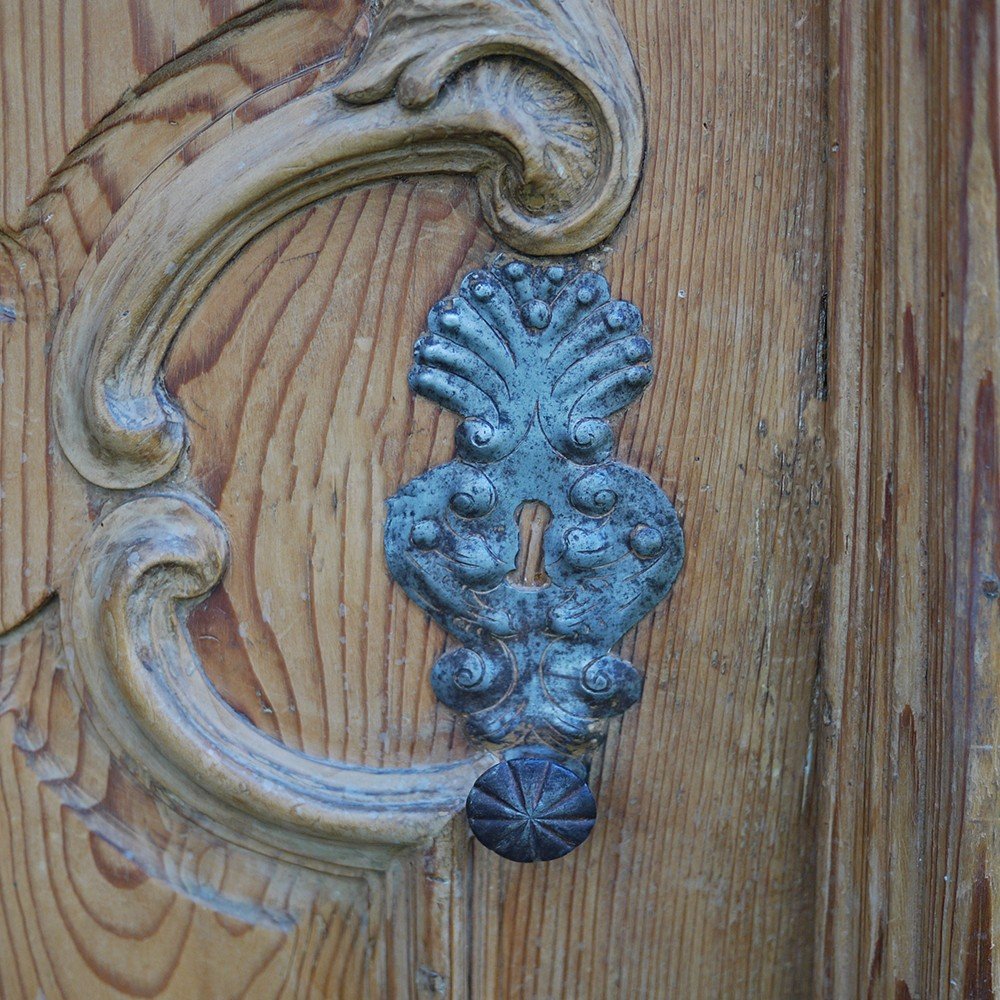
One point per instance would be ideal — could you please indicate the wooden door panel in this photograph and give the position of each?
(702, 862)
(809, 247)
(308, 635)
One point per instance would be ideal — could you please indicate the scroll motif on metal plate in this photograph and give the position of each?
(535, 359)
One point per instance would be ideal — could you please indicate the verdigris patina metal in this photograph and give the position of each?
(535, 359)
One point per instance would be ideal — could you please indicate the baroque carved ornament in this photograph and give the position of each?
(539, 102)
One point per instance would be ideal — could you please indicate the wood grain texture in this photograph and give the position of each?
(539, 104)
(79, 919)
(908, 829)
(179, 913)
(317, 934)
(702, 861)
(47, 232)
(765, 831)
(67, 63)
(308, 636)
(732, 429)
(697, 880)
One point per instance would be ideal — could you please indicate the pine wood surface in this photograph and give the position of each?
(704, 846)
(316, 362)
(908, 808)
(307, 637)
(804, 800)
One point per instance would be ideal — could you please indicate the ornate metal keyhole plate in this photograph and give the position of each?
(535, 359)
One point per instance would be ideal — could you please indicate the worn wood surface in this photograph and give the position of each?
(551, 129)
(698, 880)
(66, 201)
(768, 828)
(66, 65)
(695, 882)
(307, 637)
(749, 474)
(79, 919)
(908, 710)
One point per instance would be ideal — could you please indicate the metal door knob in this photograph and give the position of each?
(531, 808)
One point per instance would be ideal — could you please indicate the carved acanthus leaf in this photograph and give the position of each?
(418, 45)
(553, 133)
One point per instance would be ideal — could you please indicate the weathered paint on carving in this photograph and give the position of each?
(535, 359)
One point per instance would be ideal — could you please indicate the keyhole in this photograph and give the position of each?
(533, 518)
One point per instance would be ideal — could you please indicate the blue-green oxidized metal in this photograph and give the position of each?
(535, 359)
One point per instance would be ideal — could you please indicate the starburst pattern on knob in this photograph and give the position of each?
(531, 809)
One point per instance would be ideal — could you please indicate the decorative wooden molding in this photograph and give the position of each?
(553, 131)
(540, 102)
(124, 622)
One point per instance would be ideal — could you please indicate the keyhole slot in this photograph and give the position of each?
(533, 517)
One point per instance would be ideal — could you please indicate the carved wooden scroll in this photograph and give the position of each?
(539, 102)
(556, 160)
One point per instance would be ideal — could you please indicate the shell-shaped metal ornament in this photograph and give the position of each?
(535, 360)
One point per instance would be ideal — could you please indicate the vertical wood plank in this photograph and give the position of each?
(912, 648)
(697, 881)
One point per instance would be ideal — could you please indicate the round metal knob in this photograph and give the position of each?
(531, 809)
